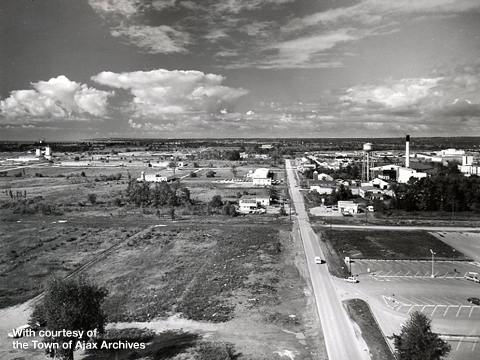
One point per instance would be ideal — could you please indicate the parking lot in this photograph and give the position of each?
(413, 268)
(397, 288)
(463, 347)
(447, 307)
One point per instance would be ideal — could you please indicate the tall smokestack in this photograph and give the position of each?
(407, 151)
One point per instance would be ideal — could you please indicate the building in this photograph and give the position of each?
(398, 173)
(451, 153)
(324, 176)
(380, 183)
(250, 203)
(404, 175)
(371, 192)
(262, 177)
(347, 207)
(323, 187)
(469, 166)
(156, 178)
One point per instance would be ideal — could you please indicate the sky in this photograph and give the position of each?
(73, 70)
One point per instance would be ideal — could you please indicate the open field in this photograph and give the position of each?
(34, 250)
(243, 276)
(387, 244)
(68, 189)
(235, 278)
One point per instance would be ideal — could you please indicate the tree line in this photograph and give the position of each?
(448, 190)
(161, 194)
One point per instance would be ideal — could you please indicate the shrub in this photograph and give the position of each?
(216, 201)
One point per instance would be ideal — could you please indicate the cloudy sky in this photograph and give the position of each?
(238, 68)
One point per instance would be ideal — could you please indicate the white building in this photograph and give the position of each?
(404, 174)
(262, 177)
(155, 178)
(322, 187)
(469, 166)
(349, 207)
(451, 152)
(248, 203)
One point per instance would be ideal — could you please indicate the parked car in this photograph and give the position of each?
(318, 260)
(472, 278)
(351, 279)
(474, 300)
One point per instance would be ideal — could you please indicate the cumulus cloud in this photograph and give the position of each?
(404, 93)
(173, 92)
(56, 98)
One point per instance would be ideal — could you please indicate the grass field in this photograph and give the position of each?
(387, 244)
(199, 271)
(33, 250)
(360, 312)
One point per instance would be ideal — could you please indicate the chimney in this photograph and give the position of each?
(407, 151)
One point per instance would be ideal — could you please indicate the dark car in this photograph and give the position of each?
(473, 300)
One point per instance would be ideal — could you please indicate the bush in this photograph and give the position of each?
(216, 351)
(216, 201)
(210, 174)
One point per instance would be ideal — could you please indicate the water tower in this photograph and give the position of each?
(367, 149)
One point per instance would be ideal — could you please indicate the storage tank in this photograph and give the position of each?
(367, 147)
(48, 151)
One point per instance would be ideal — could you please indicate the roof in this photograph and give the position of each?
(261, 173)
(254, 197)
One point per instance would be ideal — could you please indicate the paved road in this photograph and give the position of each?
(340, 338)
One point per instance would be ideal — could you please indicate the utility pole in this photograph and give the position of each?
(433, 254)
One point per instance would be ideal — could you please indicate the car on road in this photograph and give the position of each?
(318, 260)
(351, 279)
(474, 300)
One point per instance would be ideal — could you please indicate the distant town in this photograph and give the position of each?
(309, 244)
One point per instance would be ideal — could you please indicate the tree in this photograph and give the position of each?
(210, 174)
(216, 201)
(73, 305)
(417, 341)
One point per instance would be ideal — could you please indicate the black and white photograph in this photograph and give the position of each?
(239, 179)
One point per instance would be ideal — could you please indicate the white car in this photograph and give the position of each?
(472, 278)
(318, 260)
(351, 279)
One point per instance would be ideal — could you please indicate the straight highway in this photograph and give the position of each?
(340, 338)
